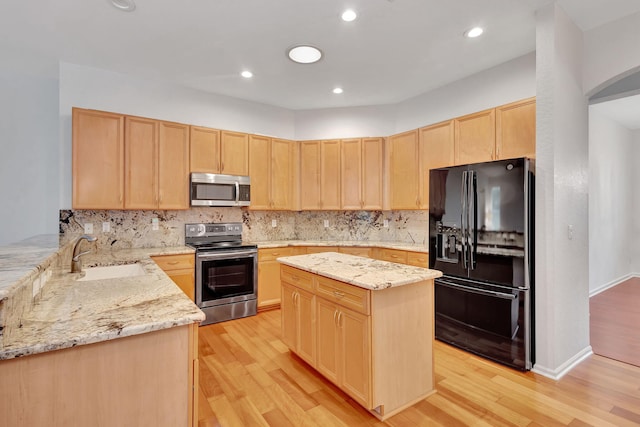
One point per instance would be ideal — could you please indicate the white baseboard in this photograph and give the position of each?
(562, 370)
(612, 283)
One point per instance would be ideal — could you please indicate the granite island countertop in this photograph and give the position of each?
(68, 313)
(363, 272)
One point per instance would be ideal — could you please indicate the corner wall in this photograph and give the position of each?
(562, 254)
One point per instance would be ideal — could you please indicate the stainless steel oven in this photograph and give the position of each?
(226, 271)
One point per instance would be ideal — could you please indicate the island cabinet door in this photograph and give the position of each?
(355, 341)
(288, 312)
(328, 344)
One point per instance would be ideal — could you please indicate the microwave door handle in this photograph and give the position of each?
(237, 192)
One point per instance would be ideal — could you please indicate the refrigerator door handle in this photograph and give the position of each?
(473, 290)
(464, 218)
(472, 189)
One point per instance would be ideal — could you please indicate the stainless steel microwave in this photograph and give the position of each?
(211, 189)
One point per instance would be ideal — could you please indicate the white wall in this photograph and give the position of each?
(512, 81)
(29, 163)
(93, 88)
(562, 260)
(611, 190)
(635, 195)
(354, 122)
(611, 53)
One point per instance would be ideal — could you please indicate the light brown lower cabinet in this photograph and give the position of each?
(377, 346)
(149, 379)
(269, 276)
(181, 269)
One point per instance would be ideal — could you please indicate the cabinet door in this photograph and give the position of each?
(289, 316)
(404, 170)
(185, 279)
(357, 251)
(328, 340)
(141, 163)
(330, 175)
(351, 174)
(234, 148)
(355, 345)
(475, 137)
(372, 173)
(281, 174)
(205, 150)
(268, 284)
(437, 150)
(309, 175)
(516, 129)
(173, 166)
(260, 171)
(98, 160)
(305, 304)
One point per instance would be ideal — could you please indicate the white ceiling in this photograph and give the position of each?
(395, 50)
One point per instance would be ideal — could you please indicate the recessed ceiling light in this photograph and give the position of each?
(304, 54)
(349, 15)
(337, 90)
(246, 74)
(124, 5)
(474, 32)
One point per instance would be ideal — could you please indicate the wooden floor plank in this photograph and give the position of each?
(248, 377)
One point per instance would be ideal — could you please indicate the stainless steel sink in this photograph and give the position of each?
(112, 272)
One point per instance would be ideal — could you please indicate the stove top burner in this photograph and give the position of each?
(215, 236)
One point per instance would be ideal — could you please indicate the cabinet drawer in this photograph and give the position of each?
(296, 277)
(271, 254)
(357, 251)
(175, 262)
(418, 259)
(349, 296)
(393, 255)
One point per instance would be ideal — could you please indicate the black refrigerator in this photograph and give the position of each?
(481, 229)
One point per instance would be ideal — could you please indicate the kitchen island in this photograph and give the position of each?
(120, 351)
(364, 324)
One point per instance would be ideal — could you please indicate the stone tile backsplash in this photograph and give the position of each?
(133, 229)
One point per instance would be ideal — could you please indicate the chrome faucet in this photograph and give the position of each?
(76, 262)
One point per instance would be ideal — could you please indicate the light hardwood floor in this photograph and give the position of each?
(249, 378)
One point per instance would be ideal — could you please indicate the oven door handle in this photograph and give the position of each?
(224, 255)
(476, 290)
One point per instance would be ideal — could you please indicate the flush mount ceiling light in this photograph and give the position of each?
(124, 5)
(304, 54)
(337, 90)
(349, 15)
(246, 74)
(474, 32)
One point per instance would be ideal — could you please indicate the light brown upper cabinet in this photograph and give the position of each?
(405, 180)
(215, 151)
(516, 129)
(361, 177)
(205, 150)
(475, 136)
(320, 175)
(437, 150)
(271, 172)
(234, 153)
(98, 159)
(156, 164)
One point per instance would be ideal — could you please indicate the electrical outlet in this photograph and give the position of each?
(570, 232)
(88, 228)
(326, 223)
(106, 227)
(274, 223)
(385, 223)
(154, 224)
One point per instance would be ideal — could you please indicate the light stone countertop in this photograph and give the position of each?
(68, 313)
(363, 272)
(352, 243)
